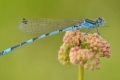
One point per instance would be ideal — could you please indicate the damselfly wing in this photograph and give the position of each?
(44, 25)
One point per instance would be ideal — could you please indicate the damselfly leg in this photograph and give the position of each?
(97, 31)
(88, 31)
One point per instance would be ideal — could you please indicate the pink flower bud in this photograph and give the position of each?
(84, 50)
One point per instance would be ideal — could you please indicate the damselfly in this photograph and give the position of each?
(52, 27)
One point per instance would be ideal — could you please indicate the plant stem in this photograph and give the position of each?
(81, 72)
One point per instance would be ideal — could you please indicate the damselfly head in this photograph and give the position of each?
(100, 22)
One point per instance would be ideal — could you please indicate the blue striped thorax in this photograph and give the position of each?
(87, 23)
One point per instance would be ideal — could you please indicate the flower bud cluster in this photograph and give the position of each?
(84, 50)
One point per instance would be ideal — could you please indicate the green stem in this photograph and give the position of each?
(81, 72)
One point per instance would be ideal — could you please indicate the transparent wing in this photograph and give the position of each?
(41, 26)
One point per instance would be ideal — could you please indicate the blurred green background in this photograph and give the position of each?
(38, 61)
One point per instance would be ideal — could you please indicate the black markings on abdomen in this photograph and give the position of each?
(2, 53)
(47, 34)
(35, 38)
(60, 30)
(23, 43)
(15, 47)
